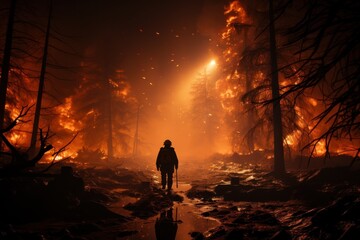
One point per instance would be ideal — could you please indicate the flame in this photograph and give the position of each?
(312, 101)
(320, 148)
(66, 154)
(66, 121)
(229, 93)
(14, 137)
(238, 11)
(123, 90)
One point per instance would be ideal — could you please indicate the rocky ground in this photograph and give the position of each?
(318, 204)
(244, 201)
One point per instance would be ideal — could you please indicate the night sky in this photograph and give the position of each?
(155, 42)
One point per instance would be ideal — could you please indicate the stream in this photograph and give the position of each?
(174, 223)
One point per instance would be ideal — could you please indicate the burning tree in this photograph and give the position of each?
(245, 67)
(16, 160)
(33, 55)
(102, 108)
(251, 73)
(240, 64)
(318, 87)
(5, 66)
(326, 40)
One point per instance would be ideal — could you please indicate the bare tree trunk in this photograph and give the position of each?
(248, 88)
(136, 136)
(41, 84)
(248, 77)
(110, 129)
(6, 63)
(279, 165)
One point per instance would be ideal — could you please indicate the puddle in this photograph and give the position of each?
(174, 223)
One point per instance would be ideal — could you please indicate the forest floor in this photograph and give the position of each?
(216, 199)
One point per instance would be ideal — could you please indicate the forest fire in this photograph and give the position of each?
(65, 119)
(179, 120)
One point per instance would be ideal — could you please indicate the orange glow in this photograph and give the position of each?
(292, 139)
(211, 64)
(65, 155)
(312, 101)
(236, 8)
(65, 120)
(14, 137)
(320, 148)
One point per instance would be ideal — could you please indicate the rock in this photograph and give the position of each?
(200, 192)
(150, 204)
(217, 232)
(176, 197)
(205, 214)
(211, 213)
(222, 212)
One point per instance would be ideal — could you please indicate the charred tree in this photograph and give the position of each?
(248, 76)
(136, 135)
(21, 160)
(41, 83)
(110, 146)
(5, 67)
(279, 165)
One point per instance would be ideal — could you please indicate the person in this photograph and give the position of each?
(165, 226)
(166, 162)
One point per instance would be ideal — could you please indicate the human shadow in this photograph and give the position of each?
(165, 226)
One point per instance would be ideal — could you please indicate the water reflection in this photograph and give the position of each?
(176, 223)
(165, 226)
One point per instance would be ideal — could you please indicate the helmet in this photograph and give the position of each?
(167, 142)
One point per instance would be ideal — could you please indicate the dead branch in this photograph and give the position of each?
(23, 112)
(21, 160)
(57, 153)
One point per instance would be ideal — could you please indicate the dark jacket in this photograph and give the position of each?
(167, 159)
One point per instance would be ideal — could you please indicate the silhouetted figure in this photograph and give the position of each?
(165, 227)
(166, 162)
